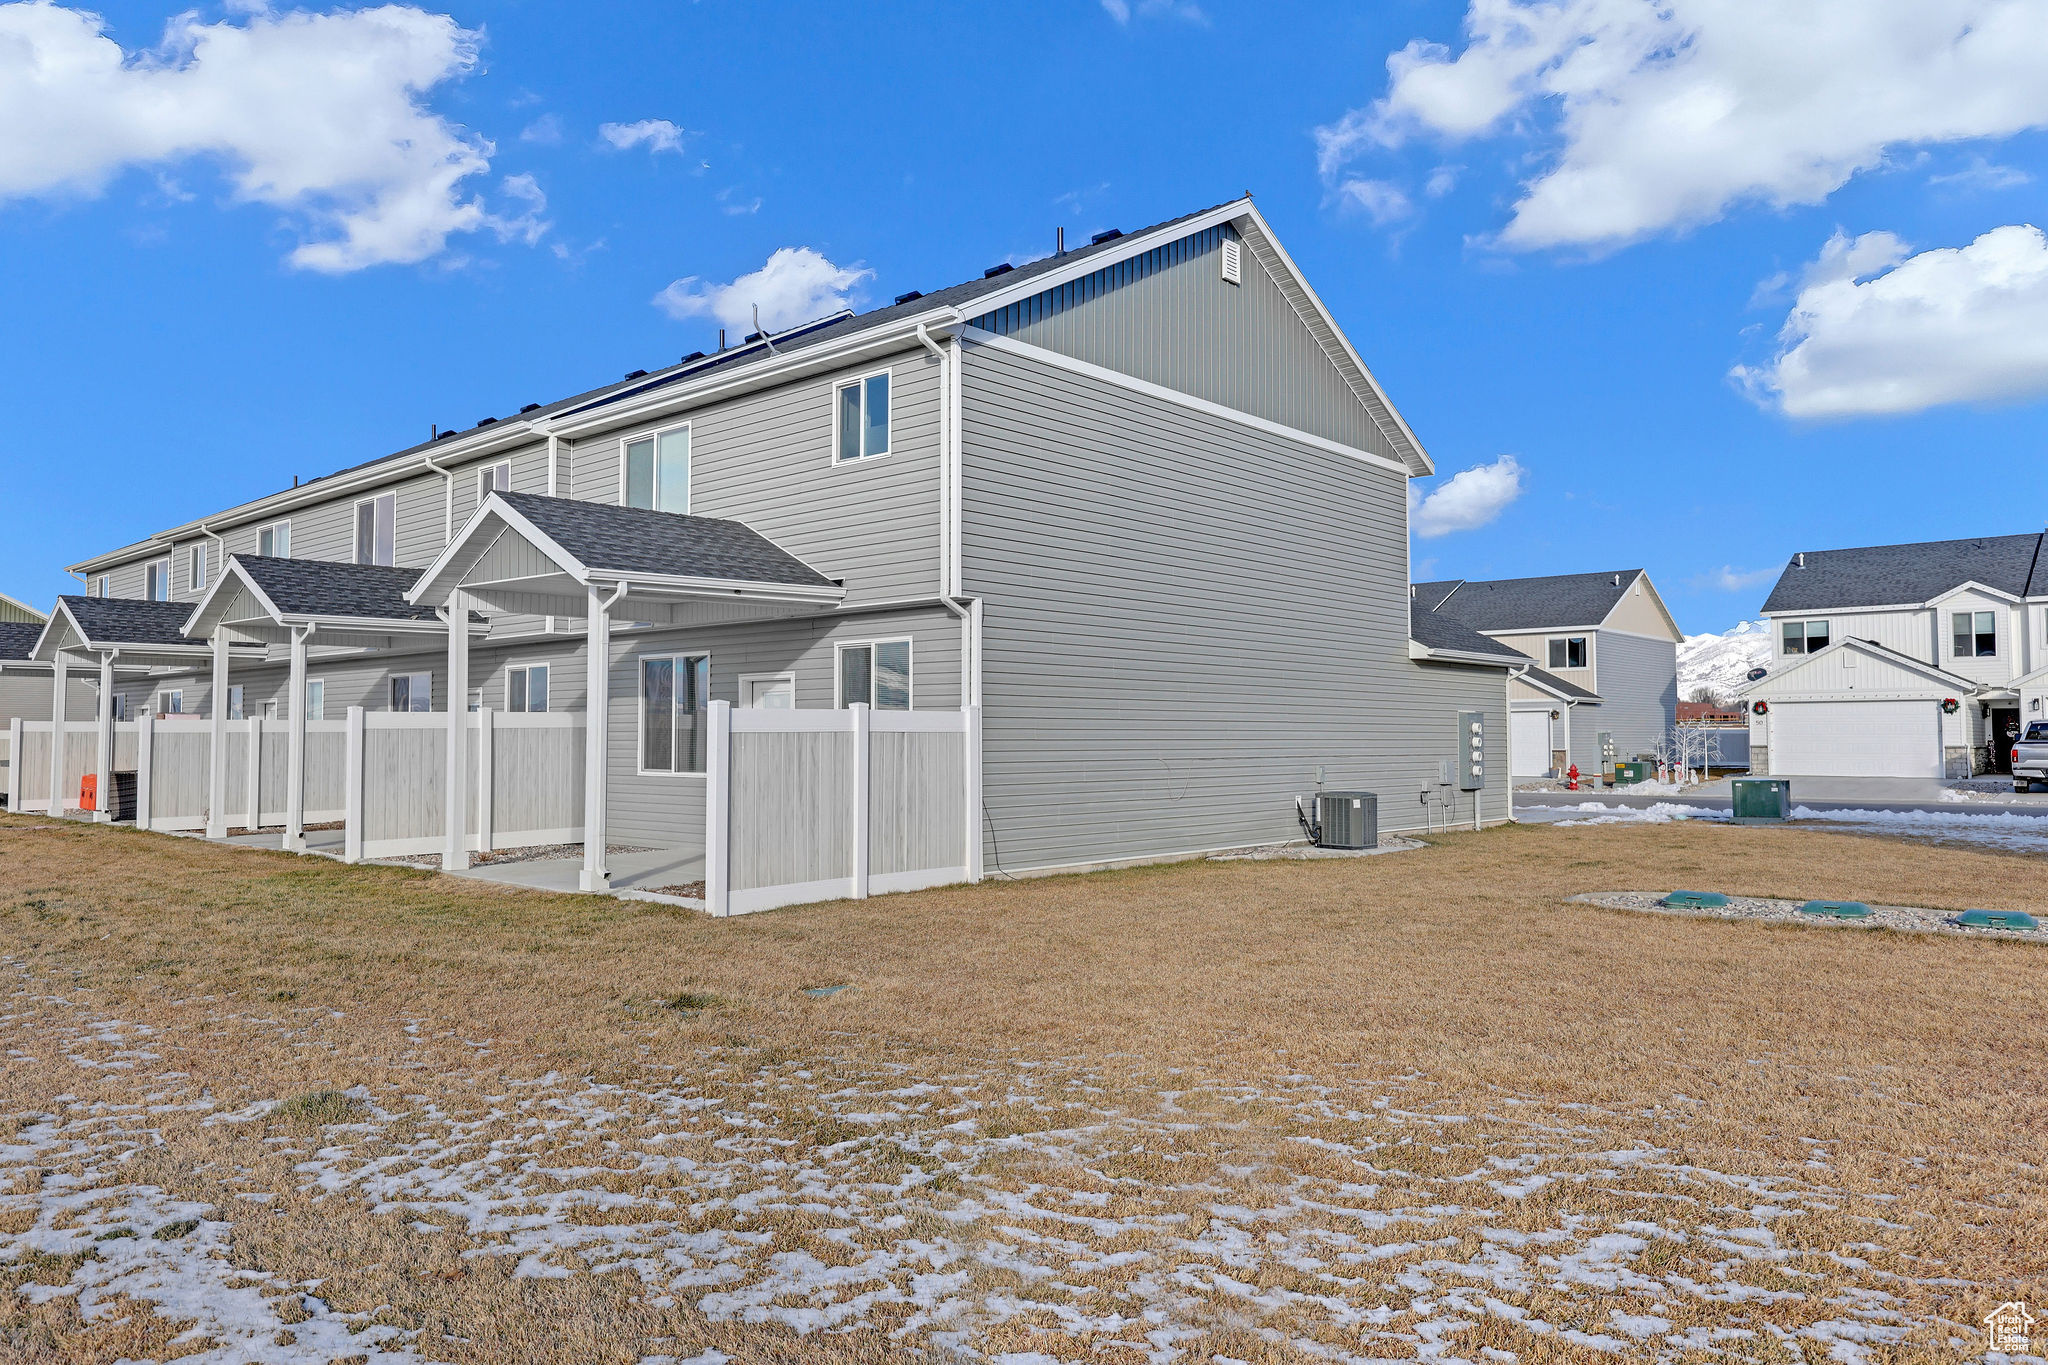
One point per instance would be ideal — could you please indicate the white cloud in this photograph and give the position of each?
(527, 226)
(1380, 200)
(1728, 578)
(1441, 181)
(1981, 174)
(1877, 331)
(796, 285)
(655, 134)
(545, 130)
(1467, 500)
(1667, 113)
(321, 115)
(1123, 11)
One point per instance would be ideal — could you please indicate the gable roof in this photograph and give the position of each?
(126, 620)
(1774, 680)
(1435, 631)
(1573, 599)
(18, 639)
(634, 540)
(318, 587)
(1898, 575)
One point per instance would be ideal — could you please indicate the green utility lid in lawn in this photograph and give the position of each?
(1836, 909)
(1695, 900)
(1996, 919)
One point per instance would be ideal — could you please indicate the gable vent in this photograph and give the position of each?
(1233, 258)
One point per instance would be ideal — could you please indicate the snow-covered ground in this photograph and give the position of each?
(1983, 829)
(1721, 661)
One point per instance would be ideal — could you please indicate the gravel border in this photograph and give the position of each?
(1391, 843)
(1904, 918)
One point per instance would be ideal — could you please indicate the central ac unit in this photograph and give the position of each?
(1347, 820)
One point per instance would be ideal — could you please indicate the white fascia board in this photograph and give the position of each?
(1972, 585)
(1062, 361)
(494, 506)
(1535, 630)
(1418, 650)
(1802, 613)
(232, 572)
(727, 587)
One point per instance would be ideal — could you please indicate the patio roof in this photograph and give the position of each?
(144, 633)
(361, 606)
(522, 552)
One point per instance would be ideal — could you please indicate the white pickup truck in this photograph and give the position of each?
(2030, 756)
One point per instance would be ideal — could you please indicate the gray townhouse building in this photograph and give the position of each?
(1139, 502)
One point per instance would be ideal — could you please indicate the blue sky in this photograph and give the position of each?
(1720, 285)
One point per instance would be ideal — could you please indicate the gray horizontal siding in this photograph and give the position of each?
(1169, 317)
(29, 697)
(1638, 691)
(1184, 617)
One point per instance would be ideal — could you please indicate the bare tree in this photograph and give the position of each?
(1689, 749)
(1709, 696)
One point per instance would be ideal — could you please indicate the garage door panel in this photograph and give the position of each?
(1529, 749)
(1856, 739)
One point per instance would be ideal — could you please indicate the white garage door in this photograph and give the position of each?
(1529, 747)
(1855, 739)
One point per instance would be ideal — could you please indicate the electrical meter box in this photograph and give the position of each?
(1471, 750)
(1607, 754)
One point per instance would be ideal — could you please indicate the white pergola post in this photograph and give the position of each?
(103, 758)
(597, 715)
(60, 673)
(217, 779)
(295, 747)
(455, 856)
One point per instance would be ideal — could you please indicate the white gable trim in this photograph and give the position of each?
(1972, 585)
(1767, 686)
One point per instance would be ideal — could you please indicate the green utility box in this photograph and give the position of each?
(1762, 800)
(1627, 774)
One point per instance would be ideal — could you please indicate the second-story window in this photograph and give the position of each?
(1805, 637)
(377, 529)
(195, 566)
(275, 540)
(862, 406)
(1976, 634)
(103, 586)
(1568, 653)
(493, 478)
(655, 471)
(156, 581)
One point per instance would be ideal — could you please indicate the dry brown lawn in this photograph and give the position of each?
(264, 1107)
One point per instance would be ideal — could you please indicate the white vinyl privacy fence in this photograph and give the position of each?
(525, 778)
(816, 805)
(28, 763)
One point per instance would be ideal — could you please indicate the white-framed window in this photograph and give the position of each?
(675, 692)
(654, 470)
(275, 540)
(412, 691)
(768, 691)
(1804, 637)
(171, 702)
(235, 702)
(103, 586)
(377, 530)
(1975, 634)
(1568, 652)
(876, 672)
(476, 700)
(860, 414)
(316, 699)
(270, 710)
(195, 566)
(526, 688)
(493, 478)
(156, 580)
(121, 706)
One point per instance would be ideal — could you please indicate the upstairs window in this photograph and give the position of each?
(1568, 653)
(493, 478)
(655, 471)
(235, 703)
(275, 540)
(675, 695)
(156, 581)
(377, 531)
(1805, 637)
(103, 586)
(526, 688)
(412, 692)
(876, 672)
(195, 566)
(863, 408)
(316, 699)
(1976, 634)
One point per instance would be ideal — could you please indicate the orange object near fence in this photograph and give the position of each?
(89, 792)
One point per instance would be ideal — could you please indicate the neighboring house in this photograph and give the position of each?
(1605, 653)
(1917, 660)
(25, 680)
(19, 613)
(1140, 501)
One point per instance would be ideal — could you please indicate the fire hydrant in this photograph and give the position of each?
(1572, 773)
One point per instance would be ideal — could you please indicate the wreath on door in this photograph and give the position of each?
(1761, 708)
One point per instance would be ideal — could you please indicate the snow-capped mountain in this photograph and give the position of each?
(1721, 661)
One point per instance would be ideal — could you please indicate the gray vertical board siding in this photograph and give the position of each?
(1169, 317)
(916, 798)
(1183, 618)
(792, 808)
(1638, 691)
(767, 459)
(667, 809)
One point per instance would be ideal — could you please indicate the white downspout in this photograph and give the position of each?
(447, 503)
(949, 518)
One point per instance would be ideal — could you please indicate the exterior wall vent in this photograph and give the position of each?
(1233, 257)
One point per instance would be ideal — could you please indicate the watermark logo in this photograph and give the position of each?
(2010, 1326)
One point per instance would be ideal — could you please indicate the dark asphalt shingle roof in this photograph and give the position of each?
(1572, 599)
(18, 639)
(1570, 689)
(129, 620)
(1432, 595)
(1433, 630)
(318, 587)
(631, 540)
(1882, 575)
